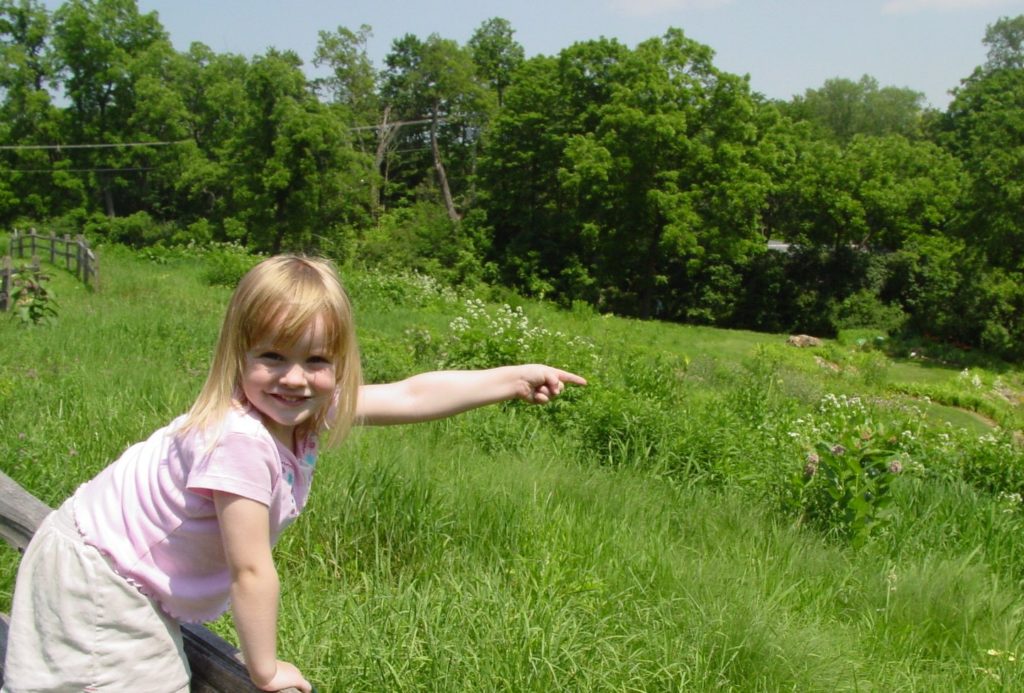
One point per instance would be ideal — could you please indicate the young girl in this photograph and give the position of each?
(184, 522)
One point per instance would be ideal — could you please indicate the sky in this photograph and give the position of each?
(784, 46)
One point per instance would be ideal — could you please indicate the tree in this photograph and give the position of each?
(843, 108)
(436, 80)
(623, 176)
(872, 194)
(353, 79)
(293, 167)
(352, 86)
(104, 47)
(200, 104)
(1005, 42)
(984, 128)
(497, 55)
(35, 182)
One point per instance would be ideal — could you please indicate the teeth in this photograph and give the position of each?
(289, 399)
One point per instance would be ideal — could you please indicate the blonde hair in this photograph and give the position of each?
(279, 299)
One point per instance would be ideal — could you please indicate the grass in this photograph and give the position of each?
(518, 549)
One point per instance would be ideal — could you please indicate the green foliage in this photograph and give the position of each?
(422, 238)
(485, 337)
(640, 180)
(994, 463)
(844, 486)
(496, 54)
(226, 263)
(627, 538)
(635, 177)
(136, 230)
(864, 309)
(32, 301)
(842, 109)
(381, 289)
(1005, 42)
(984, 127)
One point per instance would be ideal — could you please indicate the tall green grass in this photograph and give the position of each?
(628, 538)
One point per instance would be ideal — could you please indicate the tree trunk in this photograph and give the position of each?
(108, 197)
(442, 176)
(385, 134)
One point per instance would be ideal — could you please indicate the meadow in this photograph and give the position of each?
(715, 511)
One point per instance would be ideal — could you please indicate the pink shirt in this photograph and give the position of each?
(152, 514)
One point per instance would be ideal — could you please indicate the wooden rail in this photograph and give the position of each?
(74, 252)
(216, 664)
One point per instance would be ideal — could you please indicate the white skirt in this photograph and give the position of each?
(76, 625)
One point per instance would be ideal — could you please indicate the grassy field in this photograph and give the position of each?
(656, 531)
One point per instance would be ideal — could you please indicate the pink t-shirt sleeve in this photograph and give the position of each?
(240, 464)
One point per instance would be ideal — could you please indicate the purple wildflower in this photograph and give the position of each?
(811, 468)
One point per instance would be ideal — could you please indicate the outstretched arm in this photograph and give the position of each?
(438, 394)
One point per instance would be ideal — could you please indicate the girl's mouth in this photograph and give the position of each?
(289, 399)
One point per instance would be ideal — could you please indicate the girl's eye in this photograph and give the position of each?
(270, 356)
(319, 361)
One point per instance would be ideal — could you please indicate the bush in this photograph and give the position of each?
(993, 463)
(864, 309)
(484, 337)
(32, 301)
(136, 230)
(851, 457)
(226, 263)
(422, 238)
(387, 289)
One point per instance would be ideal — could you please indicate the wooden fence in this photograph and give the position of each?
(216, 665)
(73, 253)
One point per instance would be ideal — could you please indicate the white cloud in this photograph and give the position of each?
(911, 6)
(655, 7)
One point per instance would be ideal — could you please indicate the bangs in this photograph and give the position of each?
(283, 318)
(288, 324)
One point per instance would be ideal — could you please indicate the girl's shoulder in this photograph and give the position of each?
(239, 421)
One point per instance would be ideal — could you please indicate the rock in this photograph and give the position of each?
(803, 340)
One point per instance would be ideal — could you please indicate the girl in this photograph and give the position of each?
(184, 522)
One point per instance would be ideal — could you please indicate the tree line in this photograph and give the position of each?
(643, 180)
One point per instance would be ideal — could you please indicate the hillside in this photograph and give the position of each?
(715, 510)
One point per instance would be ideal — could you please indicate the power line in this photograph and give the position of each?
(78, 170)
(394, 123)
(111, 145)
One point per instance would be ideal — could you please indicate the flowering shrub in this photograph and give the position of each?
(404, 288)
(993, 462)
(851, 460)
(846, 490)
(483, 338)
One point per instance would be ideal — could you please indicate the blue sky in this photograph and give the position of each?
(785, 46)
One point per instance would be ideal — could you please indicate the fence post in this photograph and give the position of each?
(86, 263)
(94, 264)
(5, 281)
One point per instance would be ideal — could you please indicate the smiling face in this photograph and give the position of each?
(289, 384)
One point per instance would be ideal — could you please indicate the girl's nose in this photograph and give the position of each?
(294, 375)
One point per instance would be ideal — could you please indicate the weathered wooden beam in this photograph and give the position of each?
(21, 513)
(216, 664)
